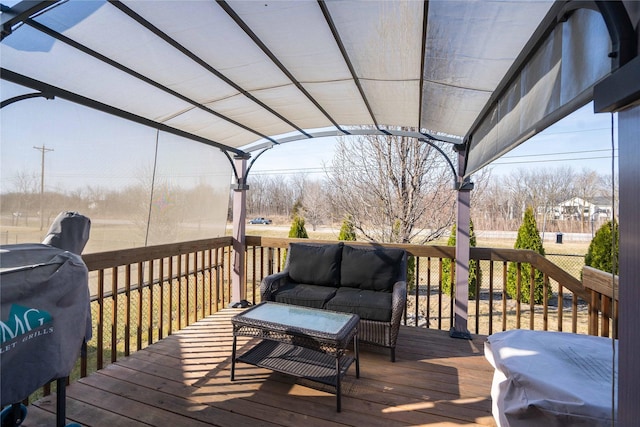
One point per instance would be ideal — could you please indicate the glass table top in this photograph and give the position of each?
(324, 321)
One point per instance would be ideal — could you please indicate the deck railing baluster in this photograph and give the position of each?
(545, 303)
(140, 305)
(255, 283)
(187, 286)
(196, 294)
(440, 294)
(162, 282)
(518, 294)
(171, 280)
(504, 295)
(127, 312)
(452, 295)
(560, 307)
(606, 308)
(574, 313)
(217, 286)
(417, 290)
(114, 313)
(179, 278)
(230, 279)
(491, 272)
(150, 310)
(477, 297)
(532, 298)
(210, 277)
(100, 319)
(427, 313)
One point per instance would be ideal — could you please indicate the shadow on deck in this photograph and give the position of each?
(183, 380)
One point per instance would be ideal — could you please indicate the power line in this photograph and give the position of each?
(558, 154)
(553, 160)
(574, 131)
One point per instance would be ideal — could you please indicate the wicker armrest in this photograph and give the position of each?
(398, 303)
(272, 283)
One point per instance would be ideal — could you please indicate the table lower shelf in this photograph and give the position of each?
(297, 361)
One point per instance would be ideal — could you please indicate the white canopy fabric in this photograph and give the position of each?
(239, 74)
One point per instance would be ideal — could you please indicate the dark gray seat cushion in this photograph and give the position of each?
(369, 305)
(315, 265)
(314, 296)
(371, 269)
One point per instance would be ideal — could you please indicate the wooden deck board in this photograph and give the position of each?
(183, 380)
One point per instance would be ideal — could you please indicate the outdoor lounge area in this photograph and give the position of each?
(150, 362)
(157, 112)
(183, 380)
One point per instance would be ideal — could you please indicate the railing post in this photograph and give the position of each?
(238, 274)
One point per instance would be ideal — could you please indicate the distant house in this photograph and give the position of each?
(598, 208)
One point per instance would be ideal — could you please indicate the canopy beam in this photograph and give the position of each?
(254, 37)
(84, 49)
(10, 101)
(156, 31)
(38, 85)
(12, 16)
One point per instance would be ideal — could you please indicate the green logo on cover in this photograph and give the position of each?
(21, 321)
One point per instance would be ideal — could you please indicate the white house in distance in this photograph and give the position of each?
(598, 208)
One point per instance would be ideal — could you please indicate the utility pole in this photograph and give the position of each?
(43, 150)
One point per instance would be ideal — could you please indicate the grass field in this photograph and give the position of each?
(331, 233)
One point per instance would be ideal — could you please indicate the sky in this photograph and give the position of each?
(90, 148)
(581, 140)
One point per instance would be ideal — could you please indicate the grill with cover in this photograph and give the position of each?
(44, 313)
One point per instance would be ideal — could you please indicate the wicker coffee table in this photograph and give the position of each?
(304, 342)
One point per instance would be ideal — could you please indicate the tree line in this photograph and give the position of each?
(397, 189)
(392, 188)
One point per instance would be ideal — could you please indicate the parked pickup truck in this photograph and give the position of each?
(260, 220)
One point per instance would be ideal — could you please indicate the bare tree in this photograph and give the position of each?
(586, 188)
(553, 187)
(492, 207)
(396, 189)
(26, 185)
(315, 203)
(270, 195)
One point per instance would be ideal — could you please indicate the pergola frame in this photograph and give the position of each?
(618, 92)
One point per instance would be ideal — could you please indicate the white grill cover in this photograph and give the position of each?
(551, 379)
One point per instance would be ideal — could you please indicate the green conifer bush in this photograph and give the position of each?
(347, 230)
(474, 271)
(297, 229)
(600, 254)
(528, 238)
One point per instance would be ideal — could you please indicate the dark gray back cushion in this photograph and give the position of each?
(315, 264)
(372, 269)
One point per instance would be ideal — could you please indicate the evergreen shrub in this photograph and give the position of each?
(474, 270)
(600, 254)
(528, 238)
(347, 230)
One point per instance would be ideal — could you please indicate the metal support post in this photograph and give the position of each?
(238, 276)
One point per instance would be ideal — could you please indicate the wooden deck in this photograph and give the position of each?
(183, 380)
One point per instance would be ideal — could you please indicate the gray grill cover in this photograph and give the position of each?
(44, 316)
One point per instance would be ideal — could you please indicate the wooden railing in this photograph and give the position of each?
(142, 295)
(571, 308)
(603, 303)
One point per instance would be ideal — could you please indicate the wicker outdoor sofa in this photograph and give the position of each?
(368, 281)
